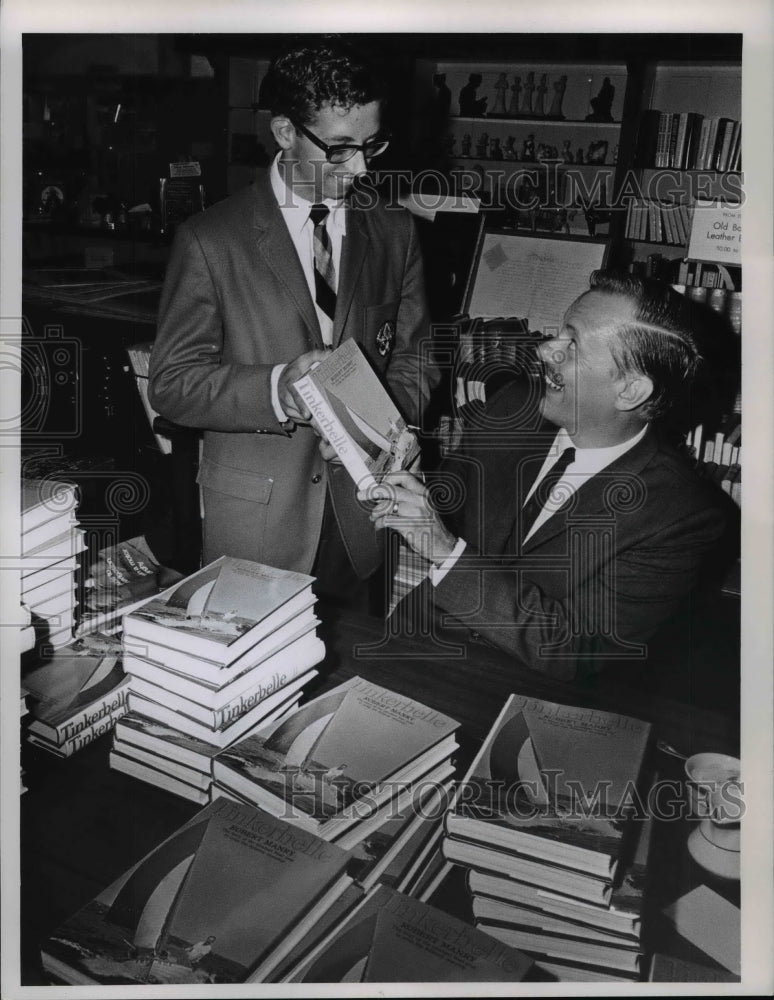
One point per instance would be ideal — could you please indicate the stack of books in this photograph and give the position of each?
(544, 822)
(345, 763)
(226, 648)
(76, 694)
(117, 580)
(224, 900)
(689, 141)
(50, 543)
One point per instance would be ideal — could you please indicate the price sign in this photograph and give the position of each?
(716, 233)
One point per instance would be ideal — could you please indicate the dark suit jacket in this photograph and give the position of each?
(601, 575)
(236, 303)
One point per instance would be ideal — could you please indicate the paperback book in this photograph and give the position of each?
(354, 412)
(222, 610)
(338, 758)
(222, 900)
(555, 783)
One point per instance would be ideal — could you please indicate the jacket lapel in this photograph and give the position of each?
(275, 247)
(590, 498)
(353, 254)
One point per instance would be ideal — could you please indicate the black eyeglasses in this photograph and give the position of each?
(344, 152)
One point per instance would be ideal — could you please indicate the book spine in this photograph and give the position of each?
(113, 702)
(332, 429)
(83, 738)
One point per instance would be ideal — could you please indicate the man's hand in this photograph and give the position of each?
(402, 502)
(328, 452)
(290, 401)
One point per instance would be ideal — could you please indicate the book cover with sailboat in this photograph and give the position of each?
(354, 412)
(553, 782)
(221, 610)
(215, 903)
(336, 751)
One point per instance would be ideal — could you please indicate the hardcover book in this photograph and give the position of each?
(393, 938)
(549, 947)
(336, 759)
(217, 902)
(121, 578)
(165, 741)
(82, 738)
(75, 689)
(160, 779)
(354, 412)
(222, 610)
(555, 783)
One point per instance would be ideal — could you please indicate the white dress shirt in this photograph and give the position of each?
(295, 211)
(587, 463)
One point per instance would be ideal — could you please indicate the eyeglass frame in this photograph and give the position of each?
(329, 150)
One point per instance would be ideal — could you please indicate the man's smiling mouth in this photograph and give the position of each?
(553, 379)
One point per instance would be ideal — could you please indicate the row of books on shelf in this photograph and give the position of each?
(658, 222)
(689, 141)
(719, 457)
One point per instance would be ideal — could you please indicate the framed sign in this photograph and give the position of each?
(716, 233)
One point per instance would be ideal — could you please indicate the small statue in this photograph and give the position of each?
(579, 156)
(526, 104)
(528, 149)
(543, 152)
(482, 144)
(597, 151)
(513, 109)
(495, 151)
(560, 86)
(467, 143)
(509, 153)
(540, 98)
(500, 87)
(470, 105)
(602, 103)
(567, 152)
(443, 97)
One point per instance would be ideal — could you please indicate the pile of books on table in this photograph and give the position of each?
(76, 694)
(210, 658)
(50, 543)
(556, 855)
(237, 895)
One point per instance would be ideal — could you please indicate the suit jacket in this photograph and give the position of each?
(236, 303)
(597, 580)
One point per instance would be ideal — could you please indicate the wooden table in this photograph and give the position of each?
(82, 825)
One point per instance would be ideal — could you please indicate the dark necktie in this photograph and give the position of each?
(324, 271)
(537, 501)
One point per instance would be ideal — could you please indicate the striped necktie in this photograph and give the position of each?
(542, 492)
(324, 271)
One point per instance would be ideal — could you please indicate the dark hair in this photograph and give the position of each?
(323, 70)
(659, 342)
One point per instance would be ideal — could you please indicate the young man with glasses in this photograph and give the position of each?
(258, 288)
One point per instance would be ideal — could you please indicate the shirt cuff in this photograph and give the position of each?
(279, 413)
(437, 573)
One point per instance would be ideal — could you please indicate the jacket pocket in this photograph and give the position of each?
(240, 483)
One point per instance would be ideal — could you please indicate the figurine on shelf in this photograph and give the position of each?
(567, 152)
(509, 153)
(602, 103)
(543, 152)
(500, 87)
(513, 109)
(597, 151)
(560, 86)
(579, 156)
(470, 105)
(467, 144)
(482, 144)
(443, 97)
(528, 149)
(540, 98)
(526, 104)
(495, 150)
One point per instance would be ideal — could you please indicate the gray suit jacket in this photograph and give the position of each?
(236, 303)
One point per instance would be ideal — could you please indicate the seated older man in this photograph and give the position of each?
(582, 531)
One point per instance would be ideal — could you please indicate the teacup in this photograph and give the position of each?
(707, 774)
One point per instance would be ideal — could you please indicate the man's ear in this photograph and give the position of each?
(637, 390)
(284, 131)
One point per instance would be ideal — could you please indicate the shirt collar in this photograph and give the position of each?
(600, 457)
(295, 209)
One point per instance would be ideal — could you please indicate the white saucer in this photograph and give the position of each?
(719, 861)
